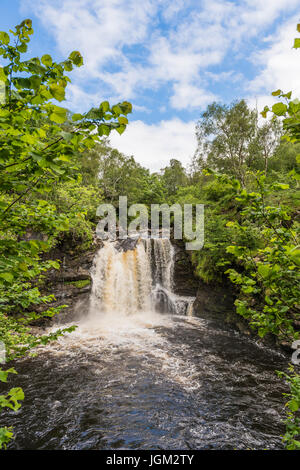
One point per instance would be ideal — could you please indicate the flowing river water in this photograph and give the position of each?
(140, 372)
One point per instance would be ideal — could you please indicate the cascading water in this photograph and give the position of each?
(139, 279)
(121, 278)
(163, 262)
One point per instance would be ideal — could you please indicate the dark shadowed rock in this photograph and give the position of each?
(126, 244)
(185, 282)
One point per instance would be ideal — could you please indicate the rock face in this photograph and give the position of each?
(71, 284)
(126, 244)
(184, 279)
(214, 299)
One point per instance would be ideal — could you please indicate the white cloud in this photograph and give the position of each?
(197, 35)
(280, 63)
(153, 145)
(133, 47)
(173, 8)
(80, 100)
(189, 96)
(259, 102)
(261, 13)
(99, 28)
(231, 75)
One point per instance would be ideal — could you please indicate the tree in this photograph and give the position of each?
(262, 147)
(284, 158)
(122, 175)
(174, 176)
(230, 140)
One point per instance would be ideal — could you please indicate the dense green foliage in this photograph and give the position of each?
(252, 218)
(230, 139)
(41, 152)
(266, 272)
(291, 437)
(10, 400)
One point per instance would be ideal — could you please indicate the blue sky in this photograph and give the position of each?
(170, 58)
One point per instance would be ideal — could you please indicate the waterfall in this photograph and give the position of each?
(121, 279)
(163, 262)
(138, 279)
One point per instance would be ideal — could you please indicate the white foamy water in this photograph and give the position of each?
(121, 280)
(140, 334)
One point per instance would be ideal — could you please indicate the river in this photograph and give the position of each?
(135, 376)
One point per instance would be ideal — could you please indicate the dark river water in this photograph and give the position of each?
(150, 381)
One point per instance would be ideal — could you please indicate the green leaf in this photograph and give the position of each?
(121, 129)
(94, 113)
(235, 250)
(287, 95)
(8, 277)
(28, 139)
(262, 332)
(6, 435)
(16, 393)
(281, 186)
(247, 289)
(58, 115)
(22, 82)
(104, 106)
(264, 270)
(68, 65)
(116, 110)
(55, 264)
(58, 92)
(296, 43)
(276, 93)
(23, 266)
(3, 76)
(268, 300)
(77, 117)
(123, 120)
(279, 109)
(57, 169)
(4, 38)
(28, 22)
(47, 60)
(4, 374)
(76, 58)
(22, 48)
(295, 255)
(293, 405)
(103, 129)
(265, 111)
(126, 107)
(35, 82)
